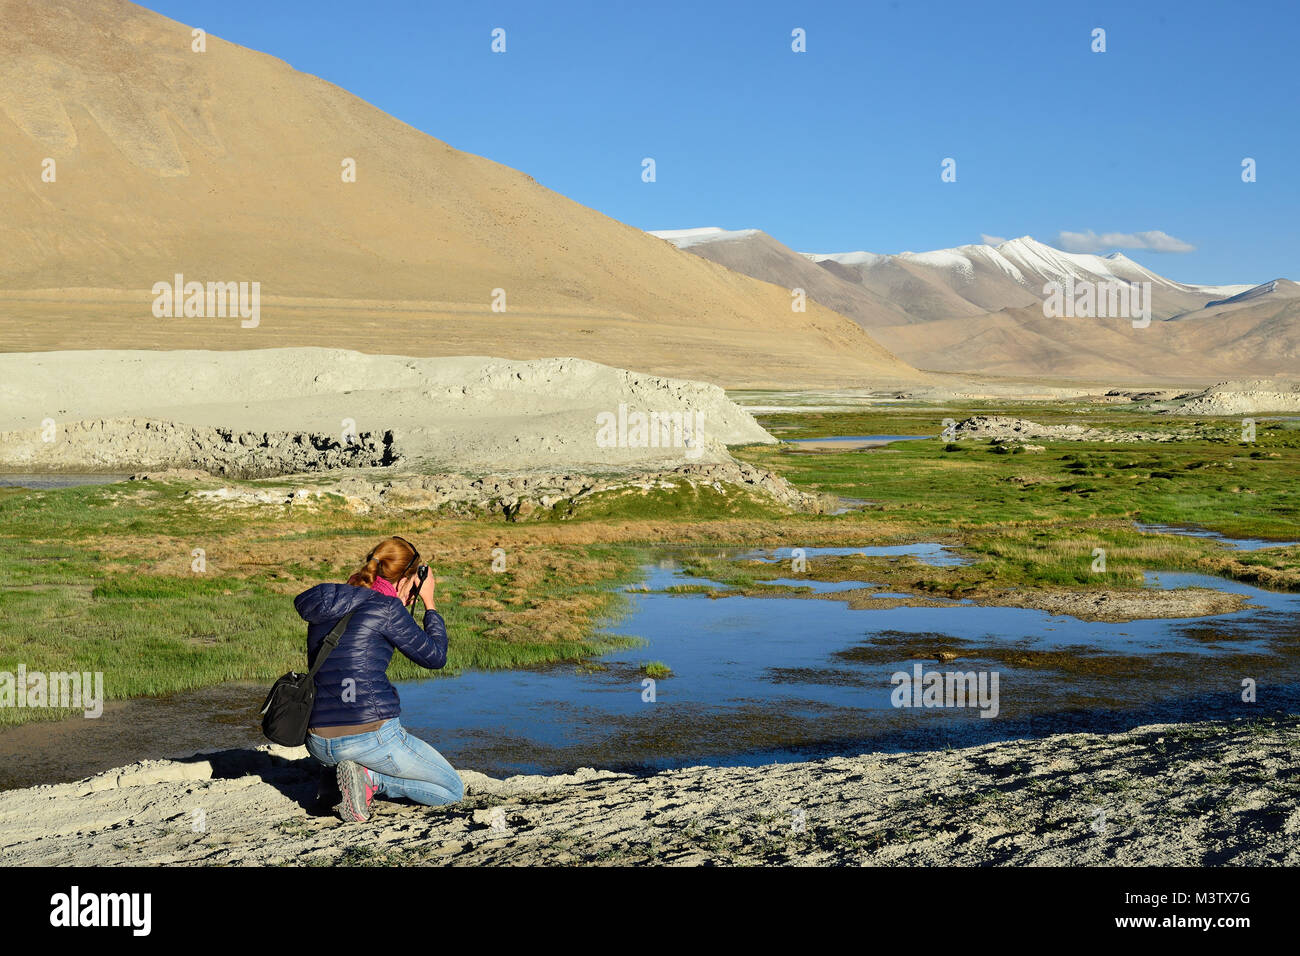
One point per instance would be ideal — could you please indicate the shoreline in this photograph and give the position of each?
(1213, 793)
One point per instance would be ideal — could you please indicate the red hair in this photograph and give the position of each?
(391, 559)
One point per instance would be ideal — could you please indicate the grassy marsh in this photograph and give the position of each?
(102, 577)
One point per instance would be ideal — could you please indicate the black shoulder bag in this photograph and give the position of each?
(287, 709)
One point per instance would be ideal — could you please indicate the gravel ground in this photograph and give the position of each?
(1197, 794)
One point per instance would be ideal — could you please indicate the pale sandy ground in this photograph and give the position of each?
(461, 412)
(1186, 794)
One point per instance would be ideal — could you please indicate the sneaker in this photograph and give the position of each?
(357, 787)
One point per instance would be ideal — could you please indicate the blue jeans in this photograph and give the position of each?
(400, 765)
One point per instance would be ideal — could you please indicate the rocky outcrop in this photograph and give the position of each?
(121, 444)
(1243, 398)
(999, 428)
(525, 495)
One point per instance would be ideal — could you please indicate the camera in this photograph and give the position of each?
(421, 573)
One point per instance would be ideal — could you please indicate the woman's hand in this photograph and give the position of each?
(426, 591)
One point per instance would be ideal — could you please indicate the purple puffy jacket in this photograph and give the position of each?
(380, 624)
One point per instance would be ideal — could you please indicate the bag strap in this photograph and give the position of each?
(327, 646)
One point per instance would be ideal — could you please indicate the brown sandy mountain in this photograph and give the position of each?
(755, 253)
(226, 166)
(1252, 337)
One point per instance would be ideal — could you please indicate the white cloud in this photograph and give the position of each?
(1153, 240)
(991, 240)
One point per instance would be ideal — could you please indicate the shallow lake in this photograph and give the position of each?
(859, 438)
(838, 443)
(1241, 544)
(763, 679)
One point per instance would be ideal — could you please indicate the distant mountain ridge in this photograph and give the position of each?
(980, 308)
(1032, 264)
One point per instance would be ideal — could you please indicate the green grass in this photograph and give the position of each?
(656, 669)
(1214, 480)
(1216, 485)
(117, 594)
(1033, 519)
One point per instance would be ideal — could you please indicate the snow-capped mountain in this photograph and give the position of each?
(948, 283)
(684, 238)
(981, 308)
(1032, 264)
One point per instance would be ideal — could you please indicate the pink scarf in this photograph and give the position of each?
(384, 587)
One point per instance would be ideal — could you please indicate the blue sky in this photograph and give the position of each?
(839, 148)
